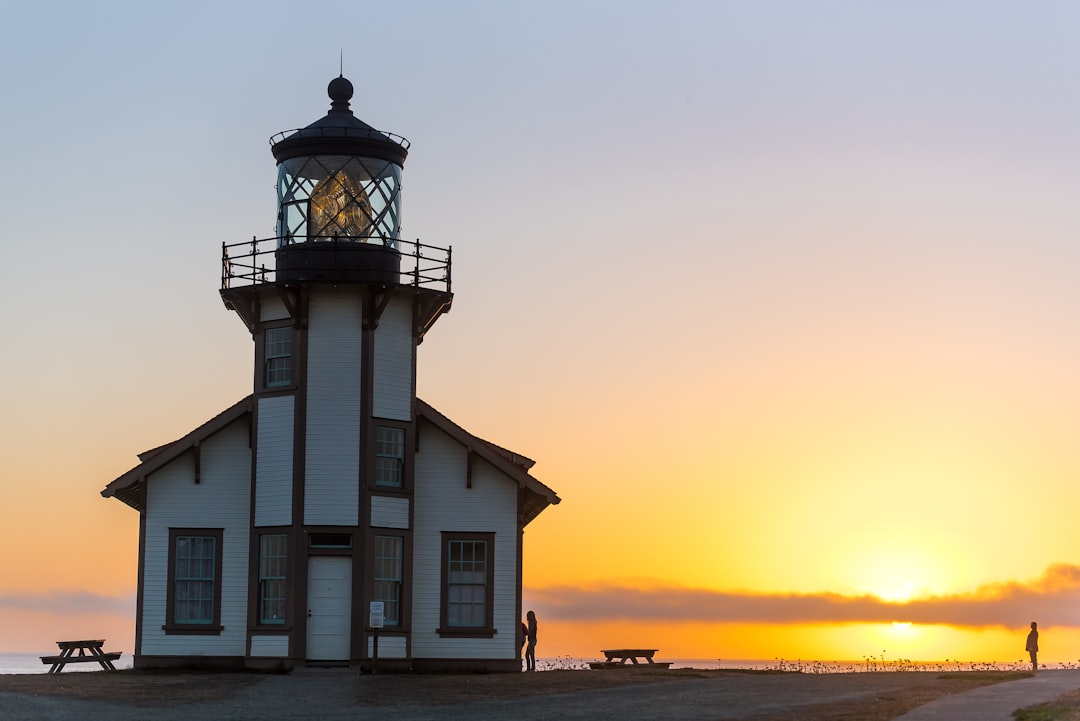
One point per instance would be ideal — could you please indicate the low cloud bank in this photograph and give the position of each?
(1054, 599)
(67, 602)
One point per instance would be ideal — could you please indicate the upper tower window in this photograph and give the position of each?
(278, 356)
(390, 456)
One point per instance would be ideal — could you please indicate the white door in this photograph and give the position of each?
(329, 608)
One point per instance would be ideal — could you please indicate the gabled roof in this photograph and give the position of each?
(129, 487)
(537, 495)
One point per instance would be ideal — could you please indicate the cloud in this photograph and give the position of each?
(67, 602)
(1054, 599)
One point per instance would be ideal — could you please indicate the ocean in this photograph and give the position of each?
(31, 663)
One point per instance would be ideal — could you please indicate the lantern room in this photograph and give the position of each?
(339, 197)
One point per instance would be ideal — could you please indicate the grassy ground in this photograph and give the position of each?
(1065, 707)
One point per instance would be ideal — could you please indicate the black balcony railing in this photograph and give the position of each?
(339, 260)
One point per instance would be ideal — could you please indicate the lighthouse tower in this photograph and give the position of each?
(331, 516)
(336, 304)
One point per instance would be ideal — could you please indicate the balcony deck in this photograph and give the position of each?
(336, 260)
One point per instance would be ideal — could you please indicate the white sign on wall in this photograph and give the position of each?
(378, 619)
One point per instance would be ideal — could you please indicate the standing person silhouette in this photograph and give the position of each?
(530, 649)
(524, 639)
(1032, 646)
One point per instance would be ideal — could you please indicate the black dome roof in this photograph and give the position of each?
(339, 132)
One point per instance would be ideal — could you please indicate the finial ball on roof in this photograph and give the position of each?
(340, 89)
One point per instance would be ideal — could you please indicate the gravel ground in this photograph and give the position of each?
(338, 695)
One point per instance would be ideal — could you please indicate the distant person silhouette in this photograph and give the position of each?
(530, 649)
(1032, 646)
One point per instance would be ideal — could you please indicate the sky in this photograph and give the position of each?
(779, 295)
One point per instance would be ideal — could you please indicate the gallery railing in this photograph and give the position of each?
(273, 260)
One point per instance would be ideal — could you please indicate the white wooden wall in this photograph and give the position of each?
(270, 646)
(389, 646)
(272, 308)
(389, 512)
(394, 374)
(332, 461)
(443, 503)
(222, 499)
(274, 462)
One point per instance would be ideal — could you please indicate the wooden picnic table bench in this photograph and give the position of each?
(87, 651)
(617, 658)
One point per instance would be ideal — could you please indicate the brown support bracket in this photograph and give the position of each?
(290, 301)
(375, 302)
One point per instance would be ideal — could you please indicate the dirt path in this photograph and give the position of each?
(567, 696)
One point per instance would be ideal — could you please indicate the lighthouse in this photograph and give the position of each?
(331, 508)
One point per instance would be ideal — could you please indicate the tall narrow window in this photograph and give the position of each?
(468, 584)
(272, 558)
(278, 350)
(194, 581)
(390, 456)
(388, 577)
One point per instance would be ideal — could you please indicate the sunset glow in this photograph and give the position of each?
(785, 311)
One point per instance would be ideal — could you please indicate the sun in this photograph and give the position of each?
(896, 573)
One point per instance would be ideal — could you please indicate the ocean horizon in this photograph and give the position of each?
(30, 663)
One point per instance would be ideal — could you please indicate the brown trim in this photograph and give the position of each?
(296, 603)
(404, 612)
(255, 625)
(127, 487)
(407, 457)
(488, 629)
(194, 629)
(259, 336)
(299, 455)
(140, 592)
(508, 463)
(519, 643)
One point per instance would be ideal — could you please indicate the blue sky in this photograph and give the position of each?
(806, 264)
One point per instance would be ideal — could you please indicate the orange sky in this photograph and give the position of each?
(785, 312)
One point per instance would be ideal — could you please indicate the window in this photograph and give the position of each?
(388, 577)
(389, 456)
(194, 581)
(468, 584)
(330, 540)
(278, 356)
(272, 557)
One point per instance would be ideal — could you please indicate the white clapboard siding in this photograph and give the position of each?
(443, 503)
(332, 459)
(274, 462)
(389, 646)
(394, 374)
(272, 308)
(388, 512)
(270, 646)
(222, 499)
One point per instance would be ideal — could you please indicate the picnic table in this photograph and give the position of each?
(87, 651)
(618, 657)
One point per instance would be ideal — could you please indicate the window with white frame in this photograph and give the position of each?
(278, 354)
(468, 584)
(389, 456)
(388, 568)
(272, 576)
(194, 580)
